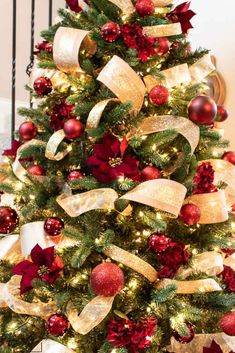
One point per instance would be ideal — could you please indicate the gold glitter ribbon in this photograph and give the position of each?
(182, 74)
(159, 123)
(230, 261)
(19, 171)
(95, 114)
(68, 43)
(172, 29)
(10, 248)
(131, 261)
(125, 5)
(162, 3)
(213, 206)
(92, 314)
(52, 145)
(49, 346)
(124, 82)
(191, 287)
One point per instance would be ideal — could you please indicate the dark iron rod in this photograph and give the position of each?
(50, 12)
(13, 85)
(32, 32)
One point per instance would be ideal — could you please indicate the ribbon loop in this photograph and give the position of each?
(53, 144)
(95, 114)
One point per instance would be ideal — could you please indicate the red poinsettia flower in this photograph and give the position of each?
(183, 15)
(45, 265)
(214, 348)
(60, 114)
(229, 278)
(13, 150)
(109, 161)
(204, 179)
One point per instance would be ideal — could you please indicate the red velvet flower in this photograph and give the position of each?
(175, 255)
(214, 348)
(43, 46)
(183, 15)
(145, 47)
(229, 278)
(60, 114)
(108, 162)
(45, 265)
(73, 5)
(204, 179)
(13, 150)
(168, 272)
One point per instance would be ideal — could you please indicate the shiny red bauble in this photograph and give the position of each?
(42, 86)
(75, 175)
(53, 226)
(158, 242)
(202, 110)
(57, 325)
(227, 323)
(145, 7)
(150, 173)
(107, 279)
(229, 157)
(110, 32)
(159, 95)
(36, 169)
(28, 130)
(8, 220)
(190, 214)
(163, 46)
(73, 129)
(222, 114)
(185, 339)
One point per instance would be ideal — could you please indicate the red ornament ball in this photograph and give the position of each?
(190, 214)
(229, 157)
(110, 32)
(202, 110)
(227, 323)
(158, 242)
(75, 175)
(150, 173)
(159, 95)
(57, 325)
(28, 130)
(107, 279)
(53, 226)
(144, 7)
(163, 46)
(36, 169)
(222, 114)
(8, 220)
(185, 339)
(73, 129)
(42, 86)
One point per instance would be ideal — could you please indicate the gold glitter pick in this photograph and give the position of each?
(123, 81)
(172, 29)
(125, 5)
(53, 144)
(191, 287)
(95, 114)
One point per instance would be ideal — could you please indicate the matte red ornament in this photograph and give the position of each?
(8, 220)
(53, 226)
(110, 32)
(42, 86)
(73, 129)
(57, 325)
(159, 95)
(75, 175)
(36, 169)
(185, 339)
(150, 173)
(144, 7)
(190, 214)
(158, 242)
(227, 323)
(107, 279)
(202, 110)
(229, 157)
(163, 46)
(28, 130)
(222, 114)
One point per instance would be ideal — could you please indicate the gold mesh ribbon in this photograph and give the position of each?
(191, 287)
(165, 122)
(49, 346)
(92, 314)
(125, 5)
(10, 248)
(131, 261)
(230, 261)
(213, 207)
(95, 114)
(124, 82)
(19, 170)
(201, 69)
(172, 29)
(68, 43)
(52, 145)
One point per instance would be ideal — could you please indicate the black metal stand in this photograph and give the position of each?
(13, 83)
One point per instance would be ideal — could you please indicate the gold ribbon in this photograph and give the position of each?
(172, 29)
(67, 45)
(92, 314)
(95, 114)
(191, 287)
(165, 122)
(124, 82)
(84, 6)
(213, 207)
(182, 74)
(125, 5)
(49, 346)
(19, 170)
(10, 248)
(162, 3)
(53, 144)
(230, 261)
(131, 261)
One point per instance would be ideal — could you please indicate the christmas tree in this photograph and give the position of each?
(119, 237)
